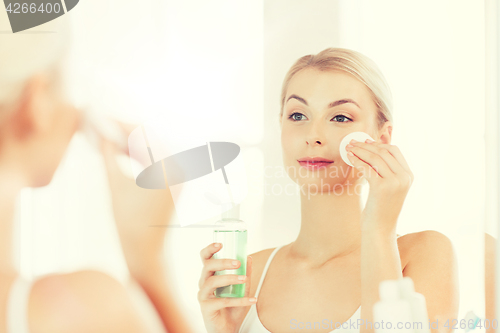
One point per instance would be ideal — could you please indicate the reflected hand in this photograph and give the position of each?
(390, 179)
(136, 211)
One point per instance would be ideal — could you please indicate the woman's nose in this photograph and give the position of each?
(315, 136)
(314, 142)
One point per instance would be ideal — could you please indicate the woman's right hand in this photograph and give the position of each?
(222, 314)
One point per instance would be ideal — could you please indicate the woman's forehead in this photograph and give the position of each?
(312, 84)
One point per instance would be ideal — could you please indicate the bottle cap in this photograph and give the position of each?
(389, 290)
(230, 211)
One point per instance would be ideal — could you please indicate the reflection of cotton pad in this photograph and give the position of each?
(358, 136)
(94, 125)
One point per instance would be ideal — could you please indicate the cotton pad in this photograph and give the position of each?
(358, 136)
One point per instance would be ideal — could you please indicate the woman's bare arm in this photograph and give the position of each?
(142, 216)
(81, 302)
(434, 270)
(155, 283)
(432, 266)
(380, 260)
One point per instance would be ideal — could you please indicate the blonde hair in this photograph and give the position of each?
(27, 53)
(351, 62)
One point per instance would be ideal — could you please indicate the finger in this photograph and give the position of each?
(127, 127)
(378, 158)
(207, 252)
(114, 171)
(215, 304)
(390, 154)
(213, 265)
(368, 162)
(208, 288)
(394, 150)
(109, 151)
(249, 276)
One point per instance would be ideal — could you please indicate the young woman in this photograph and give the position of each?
(36, 125)
(331, 273)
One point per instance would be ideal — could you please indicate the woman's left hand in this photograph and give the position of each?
(141, 215)
(390, 178)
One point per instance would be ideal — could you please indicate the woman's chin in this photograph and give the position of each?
(42, 180)
(325, 184)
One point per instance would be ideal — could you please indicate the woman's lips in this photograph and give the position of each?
(310, 165)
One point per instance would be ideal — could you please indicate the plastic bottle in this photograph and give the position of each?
(417, 304)
(231, 232)
(392, 313)
(471, 321)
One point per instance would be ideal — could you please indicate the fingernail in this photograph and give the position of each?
(349, 146)
(353, 141)
(217, 244)
(235, 262)
(242, 277)
(369, 141)
(253, 299)
(350, 153)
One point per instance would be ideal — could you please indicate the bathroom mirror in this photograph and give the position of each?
(217, 68)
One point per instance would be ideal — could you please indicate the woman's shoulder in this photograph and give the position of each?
(423, 243)
(259, 260)
(420, 239)
(88, 299)
(262, 256)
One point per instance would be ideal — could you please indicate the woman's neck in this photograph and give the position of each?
(330, 226)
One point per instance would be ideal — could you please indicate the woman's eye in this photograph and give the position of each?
(343, 117)
(296, 116)
(293, 118)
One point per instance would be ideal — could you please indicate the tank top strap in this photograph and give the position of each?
(17, 306)
(265, 269)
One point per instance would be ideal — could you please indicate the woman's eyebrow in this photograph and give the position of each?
(300, 99)
(343, 101)
(331, 105)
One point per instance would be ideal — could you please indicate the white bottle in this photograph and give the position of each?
(420, 319)
(392, 314)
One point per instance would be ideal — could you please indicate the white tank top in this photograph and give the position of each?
(252, 323)
(17, 306)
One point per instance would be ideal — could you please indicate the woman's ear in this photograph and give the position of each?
(35, 109)
(385, 134)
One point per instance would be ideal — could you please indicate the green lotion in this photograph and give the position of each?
(231, 232)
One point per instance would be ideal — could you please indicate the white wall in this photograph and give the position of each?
(222, 63)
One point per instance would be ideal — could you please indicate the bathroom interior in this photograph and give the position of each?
(222, 63)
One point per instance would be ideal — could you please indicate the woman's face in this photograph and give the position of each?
(36, 136)
(52, 144)
(320, 109)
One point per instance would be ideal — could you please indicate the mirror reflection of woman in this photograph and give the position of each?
(344, 250)
(36, 125)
